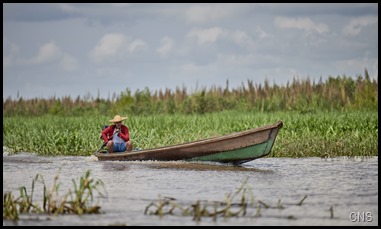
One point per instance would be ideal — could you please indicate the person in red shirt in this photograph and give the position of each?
(117, 136)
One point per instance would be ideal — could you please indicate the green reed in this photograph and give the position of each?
(341, 93)
(199, 209)
(321, 134)
(236, 204)
(77, 201)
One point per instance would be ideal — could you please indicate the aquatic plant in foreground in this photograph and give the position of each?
(73, 202)
(228, 208)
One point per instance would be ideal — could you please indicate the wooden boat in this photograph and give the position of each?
(235, 148)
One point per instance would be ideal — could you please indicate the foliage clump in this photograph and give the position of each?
(77, 201)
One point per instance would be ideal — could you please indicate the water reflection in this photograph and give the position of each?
(112, 166)
(204, 166)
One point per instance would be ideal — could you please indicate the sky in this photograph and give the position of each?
(101, 50)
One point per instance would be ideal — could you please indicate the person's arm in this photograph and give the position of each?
(124, 134)
(106, 133)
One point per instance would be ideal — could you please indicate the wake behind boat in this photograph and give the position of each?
(235, 148)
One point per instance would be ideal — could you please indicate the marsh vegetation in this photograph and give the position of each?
(338, 117)
(77, 201)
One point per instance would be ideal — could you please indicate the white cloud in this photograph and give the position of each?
(301, 23)
(181, 43)
(202, 14)
(67, 7)
(243, 39)
(69, 63)
(49, 52)
(204, 36)
(166, 46)
(136, 45)
(262, 34)
(108, 46)
(356, 25)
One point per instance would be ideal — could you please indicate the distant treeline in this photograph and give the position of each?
(336, 93)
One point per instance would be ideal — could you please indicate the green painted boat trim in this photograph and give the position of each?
(252, 152)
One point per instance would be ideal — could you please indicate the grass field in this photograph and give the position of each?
(307, 134)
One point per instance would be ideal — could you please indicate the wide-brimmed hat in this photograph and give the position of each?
(117, 118)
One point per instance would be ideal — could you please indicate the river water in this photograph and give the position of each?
(279, 191)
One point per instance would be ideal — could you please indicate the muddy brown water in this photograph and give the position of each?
(336, 191)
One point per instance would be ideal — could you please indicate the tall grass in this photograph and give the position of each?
(323, 134)
(339, 93)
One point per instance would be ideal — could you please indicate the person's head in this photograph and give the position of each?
(117, 120)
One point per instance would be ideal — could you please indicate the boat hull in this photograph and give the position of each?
(234, 148)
